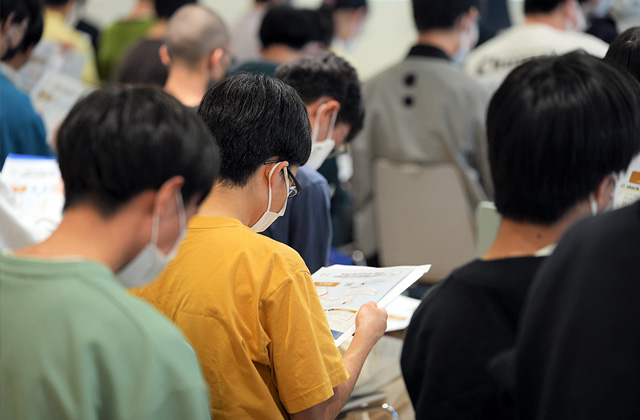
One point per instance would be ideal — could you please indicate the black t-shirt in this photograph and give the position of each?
(578, 351)
(458, 328)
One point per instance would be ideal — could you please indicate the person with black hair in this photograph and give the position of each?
(347, 19)
(22, 130)
(286, 33)
(246, 302)
(56, 29)
(245, 38)
(196, 52)
(331, 91)
(426, 111)
(141, 63)
(14, 19)
(136, 164)
(550, 27)
(554, 154)
(625, 53)
(575, 355)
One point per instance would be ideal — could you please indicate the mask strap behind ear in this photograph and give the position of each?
(316, 123)
(594, 204)
(334, 117)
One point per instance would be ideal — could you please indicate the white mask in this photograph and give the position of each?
(468, 40)
(321, 149)
(610, 205)
(150, 262)
(269, 217)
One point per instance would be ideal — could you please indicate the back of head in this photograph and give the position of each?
(57, 3)
(541, 6)
(193, 33)
(556, 127)
(118, 142)
(326, 74)
(254, 118)
(19, 9)
(166, 8)
(34, 30)
(333, 5)
(285, 25)
(440, 14)
(625, 51)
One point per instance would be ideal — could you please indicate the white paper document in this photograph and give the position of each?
(343, 289)
(37, 185)
(628, 188)
(50, 56)
(53, 97)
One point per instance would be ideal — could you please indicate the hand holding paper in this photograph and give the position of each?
(371, 322)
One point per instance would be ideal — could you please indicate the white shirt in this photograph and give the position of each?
(493, 60)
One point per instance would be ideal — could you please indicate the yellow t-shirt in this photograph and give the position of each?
(249, 307)
(56, 29)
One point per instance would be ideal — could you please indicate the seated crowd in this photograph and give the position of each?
(202, 193)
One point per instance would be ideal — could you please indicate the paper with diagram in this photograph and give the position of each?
(343, 289)
(628, 188)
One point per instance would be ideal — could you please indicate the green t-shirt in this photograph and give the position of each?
(114, 42)
(75, 345)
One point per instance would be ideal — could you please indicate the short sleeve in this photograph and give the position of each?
(306, 364)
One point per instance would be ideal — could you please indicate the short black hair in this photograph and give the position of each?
(286, 25)
(542, 6)
(120, 141)
(326, 74)
(254, 117)
(440, 14)
(166, 8)
(56, 2)
(624, 51)
(332, 5)
(34, 30)
(556, 127)
(17, 7)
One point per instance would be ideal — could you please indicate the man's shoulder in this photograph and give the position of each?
(309, 177)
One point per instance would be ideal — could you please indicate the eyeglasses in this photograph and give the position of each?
(294, 185)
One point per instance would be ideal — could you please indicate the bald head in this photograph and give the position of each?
(193, 33)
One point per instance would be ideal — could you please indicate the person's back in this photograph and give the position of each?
(474, 314)
(58, 30)
(73, 343)
(22, 130)
(550, 28)
(116, 38)
(424, 110)
(332, 93)
(247, 303)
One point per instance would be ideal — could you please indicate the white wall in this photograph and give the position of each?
(386, 38)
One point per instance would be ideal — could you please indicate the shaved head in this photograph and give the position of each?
(194, 32)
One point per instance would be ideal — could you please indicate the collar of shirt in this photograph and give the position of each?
(425, 50)
(10, 73)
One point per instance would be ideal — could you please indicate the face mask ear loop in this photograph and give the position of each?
(593, 204)
(270, 193)
(155, 225)
(181, 212)
(334, 117)
(316, 124)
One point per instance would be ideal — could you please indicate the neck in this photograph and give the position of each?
(280, 54)
(144, 9)
(85, 234)
(447, 40)
(522, 239)
(186, 84)
(555, 20)
(158, 30)
(230, 202)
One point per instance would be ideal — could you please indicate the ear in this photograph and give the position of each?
(166, 193)
(163, 52)
(568, 10)
(466, 20)
(604, 193)
(7, 23)
(217, 63)
(274, 178)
